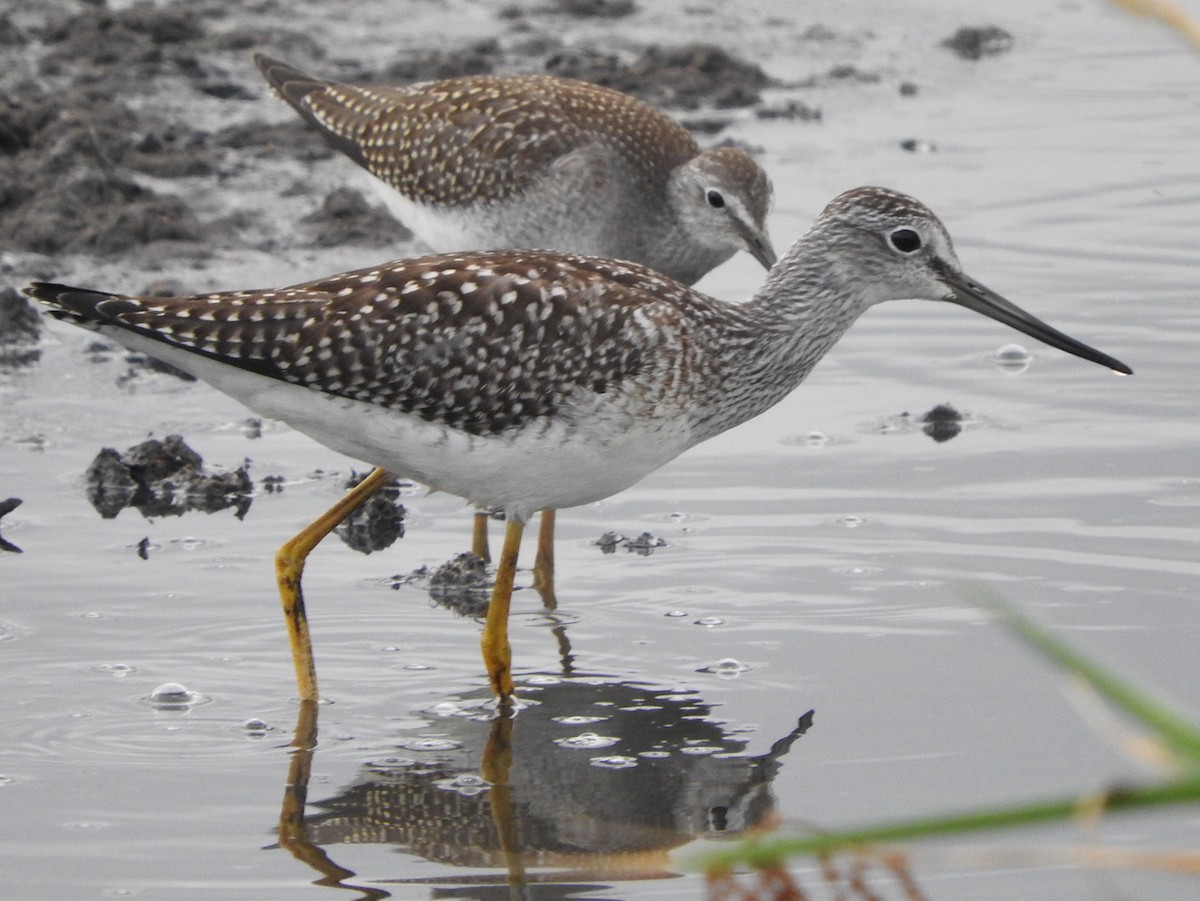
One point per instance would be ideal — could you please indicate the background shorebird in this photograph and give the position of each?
(497, 162)
(536, 380)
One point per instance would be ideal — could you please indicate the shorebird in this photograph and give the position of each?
(536, 380)
(533, 161)
(492, 161)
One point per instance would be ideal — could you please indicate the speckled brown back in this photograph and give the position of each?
(481, 343)
(483, 138)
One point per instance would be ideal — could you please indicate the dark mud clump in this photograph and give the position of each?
(479, 58)
(942, 423)
(976, 43)
(72, 153)
(20, 330)
(163, 478)
(683, 77)
(643, 545)
(377, 523)
(462, 584)
(597, 9)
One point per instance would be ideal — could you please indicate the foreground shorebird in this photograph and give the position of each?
(535, 380)
(490, 161)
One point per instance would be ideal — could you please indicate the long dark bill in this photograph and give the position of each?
(974, 296)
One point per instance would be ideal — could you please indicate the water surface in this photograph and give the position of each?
(828, 552)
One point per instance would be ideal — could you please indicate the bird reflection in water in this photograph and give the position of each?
(595, 778)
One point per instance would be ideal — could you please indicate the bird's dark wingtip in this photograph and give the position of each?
(66, 302)
(274, 70)
(287, 81)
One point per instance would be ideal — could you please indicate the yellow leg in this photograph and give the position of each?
(497, 654)
(289, 567)
(543, 563)
(479, 539)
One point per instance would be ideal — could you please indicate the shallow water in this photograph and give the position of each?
(830, 548)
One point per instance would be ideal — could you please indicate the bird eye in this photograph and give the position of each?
(905, 240)
(714, 198)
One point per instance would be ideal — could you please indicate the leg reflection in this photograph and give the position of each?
(496, 769)
(293, 833)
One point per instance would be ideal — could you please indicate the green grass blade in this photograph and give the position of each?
(770, 851)
(1174, 730)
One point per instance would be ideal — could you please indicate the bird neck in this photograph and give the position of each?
(774, 340)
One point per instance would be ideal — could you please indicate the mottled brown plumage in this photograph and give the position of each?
(535, 380)
(492, 161)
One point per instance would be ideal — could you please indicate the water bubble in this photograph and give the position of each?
(710, 621)
(580, 720)
(171, 695)
(256, 728)
(394, 763)
(726, 669)
(816, 439)
(615, 762)
(1011, 352)
(676, 613)
(588, 741)
(1012, 358)
(851, 521)
(856, 570)
(466, 784)
(116, 670)
(654, 755)
(430, 744)
(700, 750)
(416, 667)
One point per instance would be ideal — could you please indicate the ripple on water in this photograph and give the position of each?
(614, 762)
(588, 741)
(8, 631)
(116, 670)
(430, 743)
(132, 728)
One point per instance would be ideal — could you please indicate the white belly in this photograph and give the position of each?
(545, 465)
